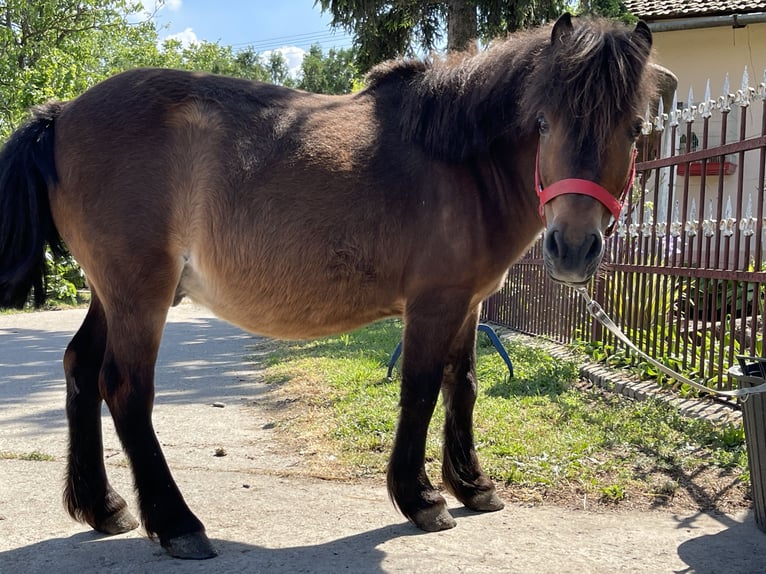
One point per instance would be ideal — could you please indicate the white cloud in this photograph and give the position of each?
(293, 55)
(187, 37)
(151, 8)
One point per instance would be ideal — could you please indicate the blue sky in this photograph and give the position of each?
(290, 26)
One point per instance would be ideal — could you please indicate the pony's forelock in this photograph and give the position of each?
(594, 80)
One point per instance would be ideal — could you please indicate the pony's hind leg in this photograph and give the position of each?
(88, 496)
(461, 470)
(431, 323)
(127, 385)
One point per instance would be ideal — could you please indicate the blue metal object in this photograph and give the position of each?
(481, 327)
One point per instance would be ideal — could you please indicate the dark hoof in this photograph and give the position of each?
(486, 501)
(434, 519)
(117, 523)
(194, 546)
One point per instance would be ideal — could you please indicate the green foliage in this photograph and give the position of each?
(607, 8)
(220, 59)
(64, 279)
(612, 493)
(384, 30)
(57, 49)
(34, 456)
(687, 321)
(708, 298)
(334, 73)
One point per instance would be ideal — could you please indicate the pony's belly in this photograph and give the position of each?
(297, 323)
(288, 311)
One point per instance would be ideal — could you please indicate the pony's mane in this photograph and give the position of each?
(456, 106)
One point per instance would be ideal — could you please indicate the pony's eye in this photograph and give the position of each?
(635, 129)
(542, 125)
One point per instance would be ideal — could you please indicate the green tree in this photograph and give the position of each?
(386, 29)
(222, 59)
(607, 8)
(278, 71)
(58, 48)
(331, 74)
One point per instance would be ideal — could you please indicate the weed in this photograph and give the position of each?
(35, 455)
(613, 493)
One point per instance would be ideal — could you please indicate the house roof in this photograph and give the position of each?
(660, 9)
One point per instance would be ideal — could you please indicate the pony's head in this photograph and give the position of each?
(598, 82)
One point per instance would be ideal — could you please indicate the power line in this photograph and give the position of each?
(305, 39)
(292, 37)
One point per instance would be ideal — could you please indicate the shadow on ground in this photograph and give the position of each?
(89, 551)
(204, 360)
(741, 543)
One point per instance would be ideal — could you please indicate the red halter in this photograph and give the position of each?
(584, 187)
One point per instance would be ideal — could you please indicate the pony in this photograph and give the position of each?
(297, 215)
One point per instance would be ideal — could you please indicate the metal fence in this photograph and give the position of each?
(685, 273)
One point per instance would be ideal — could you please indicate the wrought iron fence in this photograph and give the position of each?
(685, 274)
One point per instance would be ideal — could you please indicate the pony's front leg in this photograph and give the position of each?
(431, 323)
(461, 470)
(127, 384)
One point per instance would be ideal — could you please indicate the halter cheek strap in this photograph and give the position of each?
(584, 187)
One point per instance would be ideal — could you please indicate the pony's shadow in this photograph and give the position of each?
(90, 552)
(741, 545)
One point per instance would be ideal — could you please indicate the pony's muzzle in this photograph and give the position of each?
(569, 256)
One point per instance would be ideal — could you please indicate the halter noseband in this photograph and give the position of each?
(584, 187)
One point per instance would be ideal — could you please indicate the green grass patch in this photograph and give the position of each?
(35, 455)
(535, 431)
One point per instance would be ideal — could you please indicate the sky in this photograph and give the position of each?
(290, 26)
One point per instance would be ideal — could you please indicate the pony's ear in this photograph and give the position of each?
(561, 28)
(643, 33)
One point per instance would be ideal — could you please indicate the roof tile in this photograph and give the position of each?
(658, 9)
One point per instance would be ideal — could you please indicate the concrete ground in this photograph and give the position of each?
(261, 514)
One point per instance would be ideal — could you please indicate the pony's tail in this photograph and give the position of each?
(27, 170)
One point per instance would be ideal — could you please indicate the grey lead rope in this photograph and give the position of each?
(598, 313)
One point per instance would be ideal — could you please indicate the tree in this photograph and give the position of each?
(278, 71)
(607, 8)
(215, 58)
(462, 25)
(390, 29)
(331, 74)
(58, 48)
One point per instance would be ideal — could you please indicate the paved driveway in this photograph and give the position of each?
(261, 514)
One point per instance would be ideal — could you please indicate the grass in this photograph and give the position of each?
(538, 433)
(35, 455)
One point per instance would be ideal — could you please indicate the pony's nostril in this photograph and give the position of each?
(552, 243)
(594, 249)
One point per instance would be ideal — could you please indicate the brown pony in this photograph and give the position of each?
(297, 215)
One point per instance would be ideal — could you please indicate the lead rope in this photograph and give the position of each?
(598, 313)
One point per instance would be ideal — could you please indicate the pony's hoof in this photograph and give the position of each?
(194, 546)
(486, 501)
(117, 523)
(434, 519)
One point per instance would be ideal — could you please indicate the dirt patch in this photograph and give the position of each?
(707, 491)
